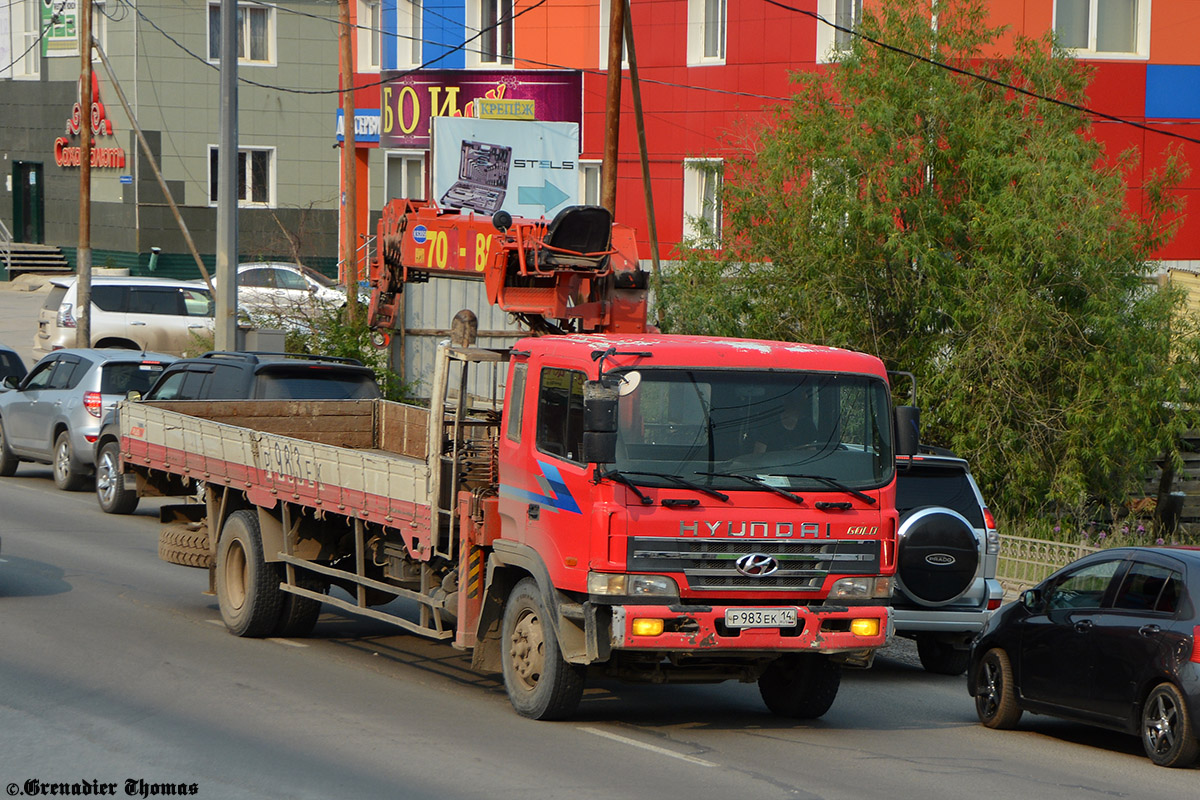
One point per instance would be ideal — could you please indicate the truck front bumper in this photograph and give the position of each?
(703, 628)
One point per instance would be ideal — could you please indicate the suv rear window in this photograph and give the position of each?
(128, 376)
(949, 487)
(311, 384)
(54, 298)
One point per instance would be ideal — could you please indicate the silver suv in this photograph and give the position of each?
(136, 313)
(947, 554)
(52, 416)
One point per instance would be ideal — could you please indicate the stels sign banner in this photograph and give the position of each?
(67, 149)
(408, 100)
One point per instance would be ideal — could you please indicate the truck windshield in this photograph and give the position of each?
(789, 430)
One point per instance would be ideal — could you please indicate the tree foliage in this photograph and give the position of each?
(967, 232)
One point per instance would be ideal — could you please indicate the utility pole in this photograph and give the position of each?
(349, 164)
(225, 324)
(83, 256)
(612, 108)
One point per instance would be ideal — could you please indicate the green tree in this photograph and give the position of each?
(968, 232)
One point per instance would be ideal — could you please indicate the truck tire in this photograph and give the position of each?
(8, 462)
(995, 695)
(540, 684)
(298, 615)
(68, 474)
(800, 686)
(247, 585)
(940, 656)
(111, 493)
(181, 543)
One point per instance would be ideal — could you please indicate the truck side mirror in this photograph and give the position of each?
(599, 422)
(908, 430)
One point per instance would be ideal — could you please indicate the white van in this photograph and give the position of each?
(156, 314)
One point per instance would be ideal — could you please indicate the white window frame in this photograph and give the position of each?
(475, 23)
(590, 177)
(699, 176)
(272, 176)
(407, 160)
(410, 33)
(369, 35)
(832, 44)
(26, 46)
(214, 47)
(698, 24)
(1141, 38)
(605, 22)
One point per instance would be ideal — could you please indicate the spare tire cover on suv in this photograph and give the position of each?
(938, 555)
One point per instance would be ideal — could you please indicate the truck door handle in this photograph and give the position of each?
(139, 324)
(1084, 625)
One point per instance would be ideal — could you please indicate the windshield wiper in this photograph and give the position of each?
(756, 481)
(841, 487)
(678, 480)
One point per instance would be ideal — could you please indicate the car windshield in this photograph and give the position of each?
(738, 429)
(129, 376)
(320, 278)
(314, 384)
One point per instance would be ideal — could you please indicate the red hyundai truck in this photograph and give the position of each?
(648, 507)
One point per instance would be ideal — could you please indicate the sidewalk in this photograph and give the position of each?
(20, 301)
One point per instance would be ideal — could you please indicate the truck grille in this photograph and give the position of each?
(710, 564)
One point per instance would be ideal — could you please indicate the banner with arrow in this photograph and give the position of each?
(527, 168)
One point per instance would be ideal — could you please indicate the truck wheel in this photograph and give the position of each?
(8, 462)
(180, 543)
(247, 585)
(299, 614)
(800, 686)
(540, 684)
(995, 695)
(68, 475)
(110, 483)
(940, 656)
(1167, 731)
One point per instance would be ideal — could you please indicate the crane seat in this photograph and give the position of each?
(578, 237)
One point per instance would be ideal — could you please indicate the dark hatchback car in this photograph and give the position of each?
(1112, 640)
(11, 365)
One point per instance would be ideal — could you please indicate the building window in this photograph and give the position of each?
(834, 42)
(256, 34)
(369, 34)
(605, 20)
(706, 31)
(405, 176)
(27, 36)
(702, 198)
(1104, 28)
(409, 33)
(493, 19)
(589, 183)
(255, 179)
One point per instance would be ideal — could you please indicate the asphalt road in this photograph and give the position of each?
(115, 667)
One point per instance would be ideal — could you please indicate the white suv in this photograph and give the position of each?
(134, 313)
(946, 561)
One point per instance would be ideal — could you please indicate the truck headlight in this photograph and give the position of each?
(871, 588)
(619, 585)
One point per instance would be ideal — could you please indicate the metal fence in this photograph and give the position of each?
(1025, 562)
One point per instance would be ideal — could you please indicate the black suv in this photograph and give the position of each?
(947, 554)
(223, 375)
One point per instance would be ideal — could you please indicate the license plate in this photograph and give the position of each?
(760, 617)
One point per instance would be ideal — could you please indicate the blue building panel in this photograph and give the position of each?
(1172, 91)
(445, 30)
